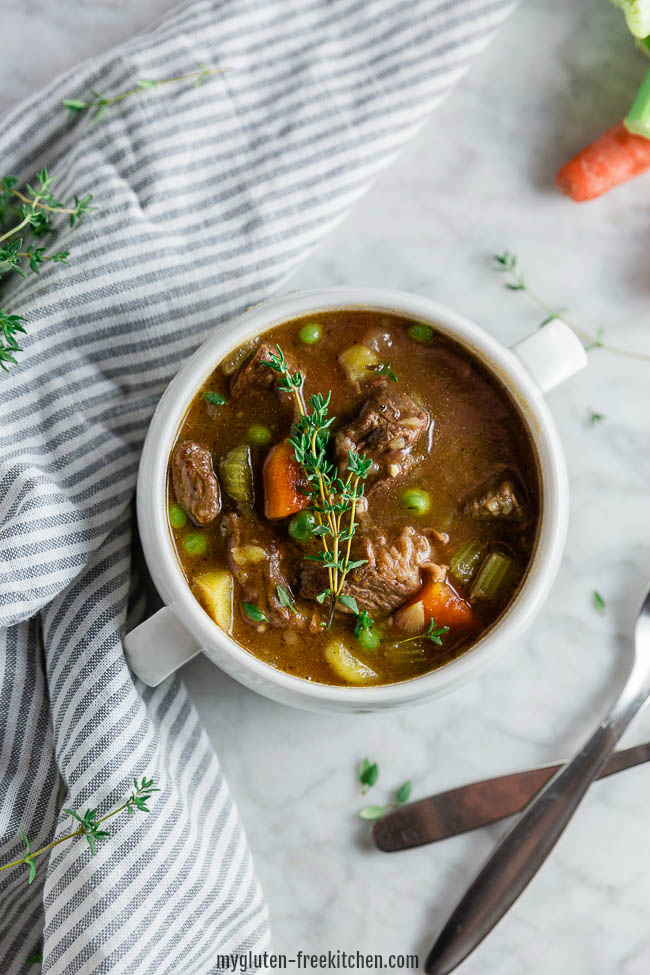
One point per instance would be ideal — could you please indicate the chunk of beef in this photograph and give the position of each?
(392, 574)
(195, 484)
(496, 502)
(254, 373)
(379, 337)
(260, 563)
(387, 429)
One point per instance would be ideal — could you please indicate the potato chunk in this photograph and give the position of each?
(348, 668)
(215, 592)
(356, 361)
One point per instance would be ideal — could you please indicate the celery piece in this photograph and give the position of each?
(465, 561)
(494, 578)
(638, 117)
(237, 474)
(405, 654)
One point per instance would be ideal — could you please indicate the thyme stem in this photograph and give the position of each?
(14, 230)
(41, 206)
(43, 849)
(350, 532)
(99, 103)
(509, 264)
(333, 498)
(89, 825)
(297, 392)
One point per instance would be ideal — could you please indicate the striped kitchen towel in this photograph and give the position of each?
(208, 197)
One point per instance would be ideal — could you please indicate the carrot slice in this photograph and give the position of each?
(441, 604)
(618, 155)
(283, 479)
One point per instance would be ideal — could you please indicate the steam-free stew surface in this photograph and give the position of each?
(469, 490)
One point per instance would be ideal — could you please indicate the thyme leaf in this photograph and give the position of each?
(350, 602)
(596, 418)
(403, 794)
(215, 399)
(285, 599)
(254, 613)
(368, 773)
(599, 602)
(373, 812)
(383, 369)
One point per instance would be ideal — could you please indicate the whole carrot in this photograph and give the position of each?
(618, 155)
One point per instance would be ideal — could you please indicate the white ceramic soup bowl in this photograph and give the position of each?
(182, 628)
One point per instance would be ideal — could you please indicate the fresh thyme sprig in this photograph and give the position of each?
(508, 264)
(433, 633)
(402, 795)
(333, 499)
(89, 826)
(25, 215)
(98, 103)
(363, 622)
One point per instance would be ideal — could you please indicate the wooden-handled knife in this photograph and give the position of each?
(477, 804)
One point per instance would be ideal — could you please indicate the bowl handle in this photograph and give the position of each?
(159, 646)
(551, 354)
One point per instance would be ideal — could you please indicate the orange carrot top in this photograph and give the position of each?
(284, 482)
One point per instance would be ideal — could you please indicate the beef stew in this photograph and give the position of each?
(353, 497)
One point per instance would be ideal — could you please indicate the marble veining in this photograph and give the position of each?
(478, 179)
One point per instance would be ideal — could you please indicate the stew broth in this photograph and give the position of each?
(474, 496)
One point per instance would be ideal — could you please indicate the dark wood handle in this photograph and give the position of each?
(477, 804)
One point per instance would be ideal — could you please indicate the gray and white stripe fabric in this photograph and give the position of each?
(208, 198)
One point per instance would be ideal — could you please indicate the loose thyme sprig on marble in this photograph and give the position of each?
(367, 774)
(334, 500)
(24, 219)
(97, 103)
(89, 826)
(507, 263)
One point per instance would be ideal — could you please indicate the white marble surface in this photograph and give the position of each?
(477, 180)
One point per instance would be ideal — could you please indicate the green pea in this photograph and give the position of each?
(177, 516)
(420, 333)
(416, 500)
(310, 333)
(301, 526)
(259, 435)
(369, 639)
(195, 544)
